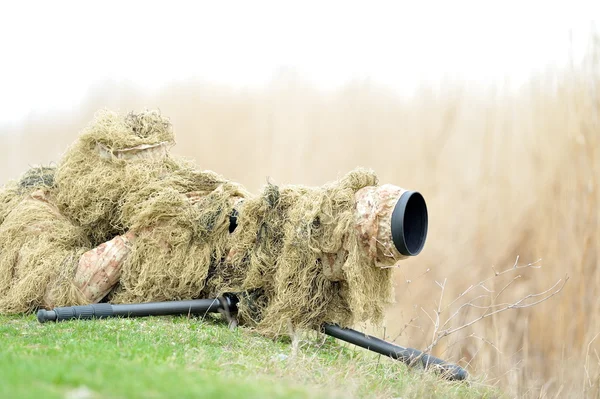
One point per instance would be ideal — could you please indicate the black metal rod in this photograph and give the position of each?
(105, 310)
(408, 356)
(200, 306)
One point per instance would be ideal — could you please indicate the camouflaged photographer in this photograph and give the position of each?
(122, 220)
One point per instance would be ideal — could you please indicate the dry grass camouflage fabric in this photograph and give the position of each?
(121, 219)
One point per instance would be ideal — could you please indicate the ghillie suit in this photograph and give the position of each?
(38, 246)
(117, 179)
(122, 220)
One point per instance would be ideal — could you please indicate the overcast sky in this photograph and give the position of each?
(53, 51)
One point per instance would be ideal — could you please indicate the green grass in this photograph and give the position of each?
(178, 357)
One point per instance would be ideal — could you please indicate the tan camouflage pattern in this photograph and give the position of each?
(374, 207)
(100, 268)
(332, 265)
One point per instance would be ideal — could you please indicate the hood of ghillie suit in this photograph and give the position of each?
(118, 134)
(37, 177)
(114, 155)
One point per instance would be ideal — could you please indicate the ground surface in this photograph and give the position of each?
(193, 358)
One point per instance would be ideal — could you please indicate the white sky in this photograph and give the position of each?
(52, 52)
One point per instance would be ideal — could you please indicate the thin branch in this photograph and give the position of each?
(533, 265)
(407, 325)
(429, 317)
(469, 304)
(439, 308)
(506, 286)
(545, 295)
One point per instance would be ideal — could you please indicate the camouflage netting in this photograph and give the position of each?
(295, 258)
(119, 177)
(9, 197)
(179, 237)
(38, 245)
(39, 251)
(285, 242)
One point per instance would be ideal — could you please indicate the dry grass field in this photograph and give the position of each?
(506, 174)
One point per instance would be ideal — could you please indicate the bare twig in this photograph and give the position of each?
(533, 265)
(442, 329)
(547, 294)
(407, 324)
